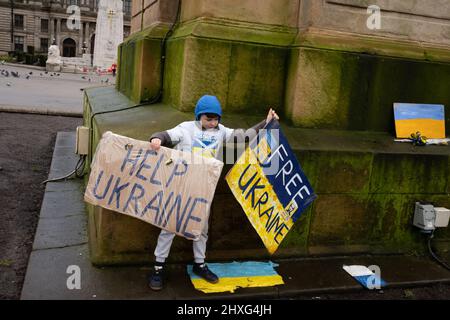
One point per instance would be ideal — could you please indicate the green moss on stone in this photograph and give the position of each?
(174, 72)
(246, 78)
(393, 228)
(140, 64)
(396, 173)
(298, 235)
(355, 91)
(344, 172)
(339, 219)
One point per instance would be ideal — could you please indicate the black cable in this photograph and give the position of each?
(445, 265)
(158, 96)
(80, 174)
(80, 165)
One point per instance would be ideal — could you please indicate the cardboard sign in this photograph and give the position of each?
(170, 189)
(270, 185)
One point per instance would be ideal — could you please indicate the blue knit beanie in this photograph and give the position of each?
(208, 104)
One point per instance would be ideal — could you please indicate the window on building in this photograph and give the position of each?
(44, 25)
(18, 21)
(44, 44)
(127, 6)
(19, 43)
(64, 27)
(73, 2)
(126, 32)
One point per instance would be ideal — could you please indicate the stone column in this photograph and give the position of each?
(80, 39)
(37, 34)
(87, 37)
(58, 33)
(52, 30)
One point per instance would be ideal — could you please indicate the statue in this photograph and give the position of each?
(54, 55)
(54, 58)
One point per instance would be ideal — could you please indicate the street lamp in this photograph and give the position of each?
(84, 47)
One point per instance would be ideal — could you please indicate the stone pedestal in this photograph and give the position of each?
(109, 33)
(54, 62)
(333, 81)
(53, 67)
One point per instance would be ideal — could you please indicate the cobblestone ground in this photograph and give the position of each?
(53, 92)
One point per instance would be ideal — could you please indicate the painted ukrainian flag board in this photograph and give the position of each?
(428, 119)
(237, 275)
(270, 185)
(366, 277)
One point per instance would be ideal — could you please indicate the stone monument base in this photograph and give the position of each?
(53, 67)
(76, 64)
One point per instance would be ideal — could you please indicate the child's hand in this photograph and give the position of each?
(155, 144)
(272, 114)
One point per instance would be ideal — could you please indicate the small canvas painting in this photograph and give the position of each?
(428, 119)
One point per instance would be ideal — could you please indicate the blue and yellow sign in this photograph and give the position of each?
(270, 185)
(235, 275)
(428, 119)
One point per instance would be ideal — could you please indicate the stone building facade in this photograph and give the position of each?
(31, 26)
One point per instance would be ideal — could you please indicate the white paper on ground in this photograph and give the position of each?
(429, 141)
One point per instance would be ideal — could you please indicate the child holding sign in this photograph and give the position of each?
(205, 137)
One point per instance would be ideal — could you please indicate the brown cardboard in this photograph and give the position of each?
(170, 189)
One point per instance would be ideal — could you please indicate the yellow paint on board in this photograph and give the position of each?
(430, 128)
(269, 219)
(232, 283)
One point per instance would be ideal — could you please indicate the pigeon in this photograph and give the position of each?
(107, 81)
(8, 84)
(31, 73)
(28, 77)
(51, 75)
(89, 79)
(46, 72)
(83, 77)
(41, 74)
(6, 74)
(15, 74)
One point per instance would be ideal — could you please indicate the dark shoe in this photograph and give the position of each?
(201, 269)
(156, 279)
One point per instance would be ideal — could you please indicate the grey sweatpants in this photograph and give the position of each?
(165, 240)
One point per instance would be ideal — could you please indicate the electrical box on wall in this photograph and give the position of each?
(82, 141)
(442, 217)
(427, 217)
(424, 216)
